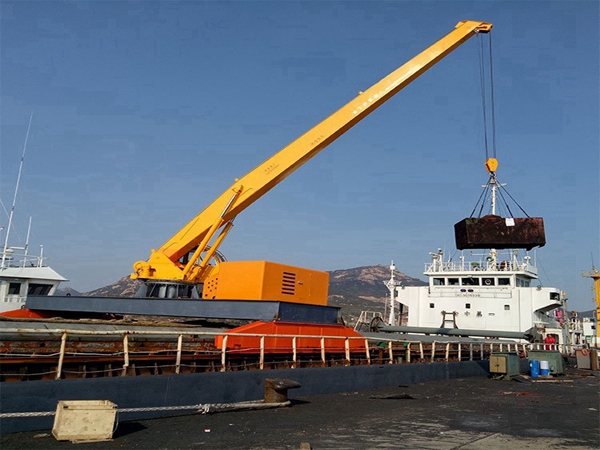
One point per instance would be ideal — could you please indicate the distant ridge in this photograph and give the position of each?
(363, 288)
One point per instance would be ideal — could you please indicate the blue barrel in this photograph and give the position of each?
(535, 368)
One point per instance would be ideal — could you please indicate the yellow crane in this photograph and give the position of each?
(595, 275)
(191, 259)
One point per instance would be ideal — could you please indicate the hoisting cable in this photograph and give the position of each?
(484, 200)
(480, 199)
(505, 203)
(484, 99)
(511, 197)
(493, 106)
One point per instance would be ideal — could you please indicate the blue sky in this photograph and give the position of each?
(144, 112)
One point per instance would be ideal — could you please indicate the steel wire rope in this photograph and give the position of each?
(512, 198)
(505, 202)
(486, 191)
(483, 192)
(492, 98)
(483, 96)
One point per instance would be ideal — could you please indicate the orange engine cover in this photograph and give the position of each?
(264, 280)
(309, 344)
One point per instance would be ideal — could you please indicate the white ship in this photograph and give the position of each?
(22, 275)
(493, 292)
(485, 291)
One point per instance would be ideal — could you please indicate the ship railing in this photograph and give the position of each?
(548, 322)
(365, 319)
(130, 352)
(17, 299)
(484, 266)
(18, 257)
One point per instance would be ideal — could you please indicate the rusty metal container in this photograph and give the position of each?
(499, 232)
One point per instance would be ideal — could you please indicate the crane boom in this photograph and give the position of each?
(184, 257)
(595, 275)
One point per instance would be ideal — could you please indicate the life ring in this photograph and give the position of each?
(584, 352)
(488, 282)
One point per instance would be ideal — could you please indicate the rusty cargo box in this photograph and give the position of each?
(499, 232)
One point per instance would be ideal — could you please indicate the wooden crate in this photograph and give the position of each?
(84, 420)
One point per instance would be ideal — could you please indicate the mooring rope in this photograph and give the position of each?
(205, 408)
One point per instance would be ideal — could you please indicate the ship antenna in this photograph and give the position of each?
(12, 209)
(27, 243)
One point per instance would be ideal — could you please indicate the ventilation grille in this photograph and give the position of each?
(288, 283)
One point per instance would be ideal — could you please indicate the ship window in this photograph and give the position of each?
(39, 289)
(438, 282)
(554, 296)
(468, 305)
(488, 281)
(470, 281)
(432, 305)
(14, 289)
(452, 281)
(506, 307)
(522, 283)
(503, 281)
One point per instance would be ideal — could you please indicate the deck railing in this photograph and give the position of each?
(64, 353)
(485, 266)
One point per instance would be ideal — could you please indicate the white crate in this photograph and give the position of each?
(84, 420)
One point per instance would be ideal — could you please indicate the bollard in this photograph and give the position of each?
(276, 389)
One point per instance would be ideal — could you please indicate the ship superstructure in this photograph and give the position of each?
(21, 275)
(497, 291)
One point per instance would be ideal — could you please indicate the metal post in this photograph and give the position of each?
(347, 350)
(433, 351)
(481, 351)
(391, 352)
(459, 351)
(471, 351)
(178, 360)
(323, 351)
(421, 351)
(447, 351)
(224, 353)
(408, 352)
(61, 356)
(294, 353)
(125, 354)
(262, 353)
(367, 351)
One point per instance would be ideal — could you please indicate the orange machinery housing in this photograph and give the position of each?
(264, 280)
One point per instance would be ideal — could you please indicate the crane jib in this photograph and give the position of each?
(165, 263)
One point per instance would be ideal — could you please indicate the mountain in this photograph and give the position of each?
(65, 291)
(363, 289)
(124, 287)
(353, 290)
